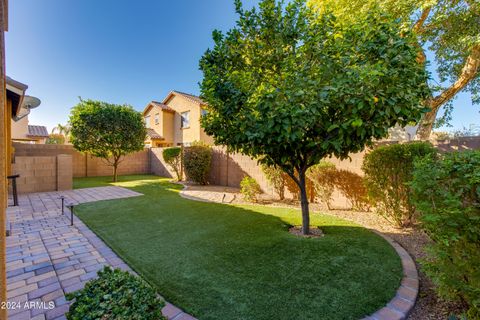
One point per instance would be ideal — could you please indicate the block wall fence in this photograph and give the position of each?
(227, 169)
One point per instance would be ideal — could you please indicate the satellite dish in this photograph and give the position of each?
(30, 102)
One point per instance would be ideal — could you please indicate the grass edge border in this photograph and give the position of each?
(402, 304)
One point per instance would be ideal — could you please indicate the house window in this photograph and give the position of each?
(185, 119)
(157, 118)
(203, 112)
(147, 122)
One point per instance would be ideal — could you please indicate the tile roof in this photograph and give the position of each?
(153, 134)
(162, 105)
(37, 131)
(190, 97)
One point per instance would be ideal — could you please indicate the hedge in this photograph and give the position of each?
(446, 191)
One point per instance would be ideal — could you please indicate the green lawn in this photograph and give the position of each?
(239, 262)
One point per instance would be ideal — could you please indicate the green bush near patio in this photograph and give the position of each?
(115, 294)
(218, 261)
(447, 193)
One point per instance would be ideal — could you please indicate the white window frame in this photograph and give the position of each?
(147, 122)
(185, 120)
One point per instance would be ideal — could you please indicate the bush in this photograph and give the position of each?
(250, 189)
(322, 176)
(115, 294)
(55, 138)
(173, 157)
(276, 177)
(388, 170)
(197, 160)
(446, 192)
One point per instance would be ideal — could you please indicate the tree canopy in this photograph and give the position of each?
(289, 86)
(449, 29)
(106, 130)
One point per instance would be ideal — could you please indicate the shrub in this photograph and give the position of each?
(197, 160)
(388, 170)
(55, 138)
(446, 192)
(173, 157)
(322, 176)
(276, 177)
(250, 189)
(115, 294)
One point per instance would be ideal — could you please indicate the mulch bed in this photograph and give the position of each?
(314, 232)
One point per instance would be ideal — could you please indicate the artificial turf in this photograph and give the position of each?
(219, 261)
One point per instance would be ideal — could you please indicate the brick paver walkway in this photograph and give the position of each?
(46, 257)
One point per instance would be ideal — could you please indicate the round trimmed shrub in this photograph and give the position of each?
(388, 172)
(250, 189)
(197, 160)
(115, 294)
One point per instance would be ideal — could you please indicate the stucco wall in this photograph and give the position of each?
(191, 133)
(43, 173)
(84, 165)
(20, 129)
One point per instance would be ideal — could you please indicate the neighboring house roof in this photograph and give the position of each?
(187, 96)
(15, 92)
(153, 134)
(37, 131)
(163, 106)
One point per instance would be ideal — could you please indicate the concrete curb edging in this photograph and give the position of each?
(400, 306)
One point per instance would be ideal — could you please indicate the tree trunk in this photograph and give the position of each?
(115, 165)
(304, 203)
(469, 72)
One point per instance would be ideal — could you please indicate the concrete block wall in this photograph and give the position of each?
(37, 174)
(84, 165)
(64, 172)
(158, 165)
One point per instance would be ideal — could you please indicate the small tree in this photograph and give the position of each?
(173, 157)
(291, 87)
(107, 131)
(55, 138)
(276, 177)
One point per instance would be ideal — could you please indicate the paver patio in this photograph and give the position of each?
(47, 257)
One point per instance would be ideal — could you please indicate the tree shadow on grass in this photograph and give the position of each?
(220, 261)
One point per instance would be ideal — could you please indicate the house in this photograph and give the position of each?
(21, 131)
(11, 100)
(25, 133)
(175, 121)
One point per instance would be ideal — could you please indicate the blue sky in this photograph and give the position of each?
(120, 51)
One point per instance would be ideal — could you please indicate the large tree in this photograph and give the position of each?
(290, 87)
(449, 29)
(107, 131)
